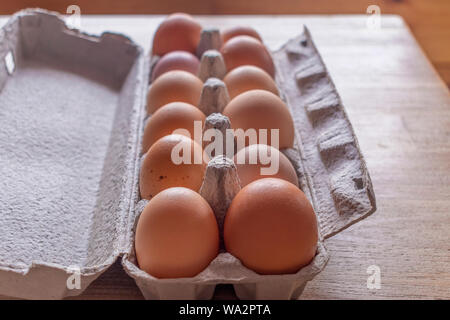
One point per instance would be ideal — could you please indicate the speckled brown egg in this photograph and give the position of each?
(176, 60)
(172, 161)
(271, 227)
(245, 50)
(245, 78)
(174, 86)
(176, 234)
(235, 31)
(178, 32)
(171, 117)
(262, 161)
(261, 109)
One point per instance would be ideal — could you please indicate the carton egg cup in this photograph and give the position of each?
(72, 113)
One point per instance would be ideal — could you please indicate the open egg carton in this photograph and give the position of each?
(72, 113)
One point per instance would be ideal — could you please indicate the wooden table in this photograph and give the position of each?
(400, 110)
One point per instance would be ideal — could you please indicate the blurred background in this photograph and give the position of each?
(429, 20)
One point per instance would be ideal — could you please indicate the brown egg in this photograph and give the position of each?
(262, 161)
(176, 234)
(174, 86)
(168, 118)
(245, 50)
(271, 227)
(178, 32)
(245, 78)
(172, 161)
(260, 109)
(176, 60)
(232, 32)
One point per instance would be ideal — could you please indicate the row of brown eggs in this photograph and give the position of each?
(270, 225)
(181, 33)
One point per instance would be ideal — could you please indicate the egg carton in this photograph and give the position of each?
(326, 156)
(71, 106)
(72, 113)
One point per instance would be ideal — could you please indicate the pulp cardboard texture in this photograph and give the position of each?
(72, 114)
(69, 121)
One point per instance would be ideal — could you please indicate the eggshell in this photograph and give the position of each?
(168, 118)
(271, 227)
(174, 86)
(235, 31)
(159, 170)
(178, 32)
(260, 109)
(251, 160)
(176, 234)
(245, 78)
(245, 50)
(176, 60)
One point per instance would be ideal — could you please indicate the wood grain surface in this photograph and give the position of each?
(428, 20)
(400, 110)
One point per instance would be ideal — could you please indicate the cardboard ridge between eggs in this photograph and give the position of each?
(72, 115)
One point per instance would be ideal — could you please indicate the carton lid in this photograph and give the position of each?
(70, 111)
(332, 169)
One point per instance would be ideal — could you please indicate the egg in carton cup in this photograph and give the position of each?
(329, 166)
